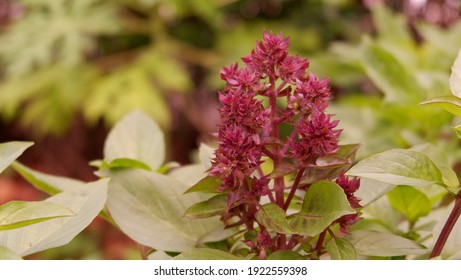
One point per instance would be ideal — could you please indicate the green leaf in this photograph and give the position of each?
(86, 202)
(341, 249)
(16, 214)
(274, 218)
(455, 78)
(10, 151)
(449, 103)
(69, 25)
(398, 167)
(209, 208)
(206, 254)
(7, 254)
(409, 201)
(457, 130)
(372, 243)
(188, 174)
(371, 190)
(149, 207)
(392, 78)
(136, 137)
(208, 184)
(285, 255)
(159, 255)
(47, 183)
(324, 202)
(128, 163)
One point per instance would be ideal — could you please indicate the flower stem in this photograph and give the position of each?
(450, 223)
(294, 188)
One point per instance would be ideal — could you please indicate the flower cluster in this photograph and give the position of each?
(249, 133)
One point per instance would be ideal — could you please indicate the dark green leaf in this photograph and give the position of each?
(273, 218)
(324, 202)
(212, 207)
(341, 249)
(208, 184)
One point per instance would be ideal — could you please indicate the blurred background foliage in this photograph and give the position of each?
(69, 69)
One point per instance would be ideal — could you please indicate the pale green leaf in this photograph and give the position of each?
(398, 167)
(127, 163)
(136, 137)
(372, 243)
(409, 201)
(86, 202)
(206, 254)
(10, 151)
(209, 208)
(455, 78)
(208, 184)
(16, 214)
(159, 255)
(205, 155)
(188, 174)
(449, 103)
(324, 202)
(285, 255)
(150, 207)
(7, 254)
(371, 190)
(340, 249)
(274, 218)
(392, 78)
(47, 183)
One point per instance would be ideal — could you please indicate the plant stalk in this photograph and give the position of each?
(447, 228)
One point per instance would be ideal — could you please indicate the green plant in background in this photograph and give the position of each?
(103, 58)
(403, 72)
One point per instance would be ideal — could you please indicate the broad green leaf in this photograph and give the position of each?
(159, 255)
(208, 184)
(10, 151)
(324, 202)
(47, 183)
(206, 254)
(381, 211)
(16, 214)
(149, 207)
(392, 78)
(7, 254)
(409, 201)
(188, 174)
(372, 243)
(285, 255)
(449, 103)
(128, 163)
(455, 78)
(86, 202)
(398, 167)
(340, 249)
(274, 218)
(209, 208)
(371, 190)
(136, 137)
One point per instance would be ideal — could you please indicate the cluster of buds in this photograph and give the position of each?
(249, 134)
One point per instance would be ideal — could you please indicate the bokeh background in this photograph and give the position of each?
(69, 69)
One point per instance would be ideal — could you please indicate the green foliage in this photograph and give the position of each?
(371, 243)
(206, 254)
(323, 203)
(409, 201)
(209, 208)
(341, 249)
(10, 151)
(273, 218)
(16, 214)
(399, 167)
